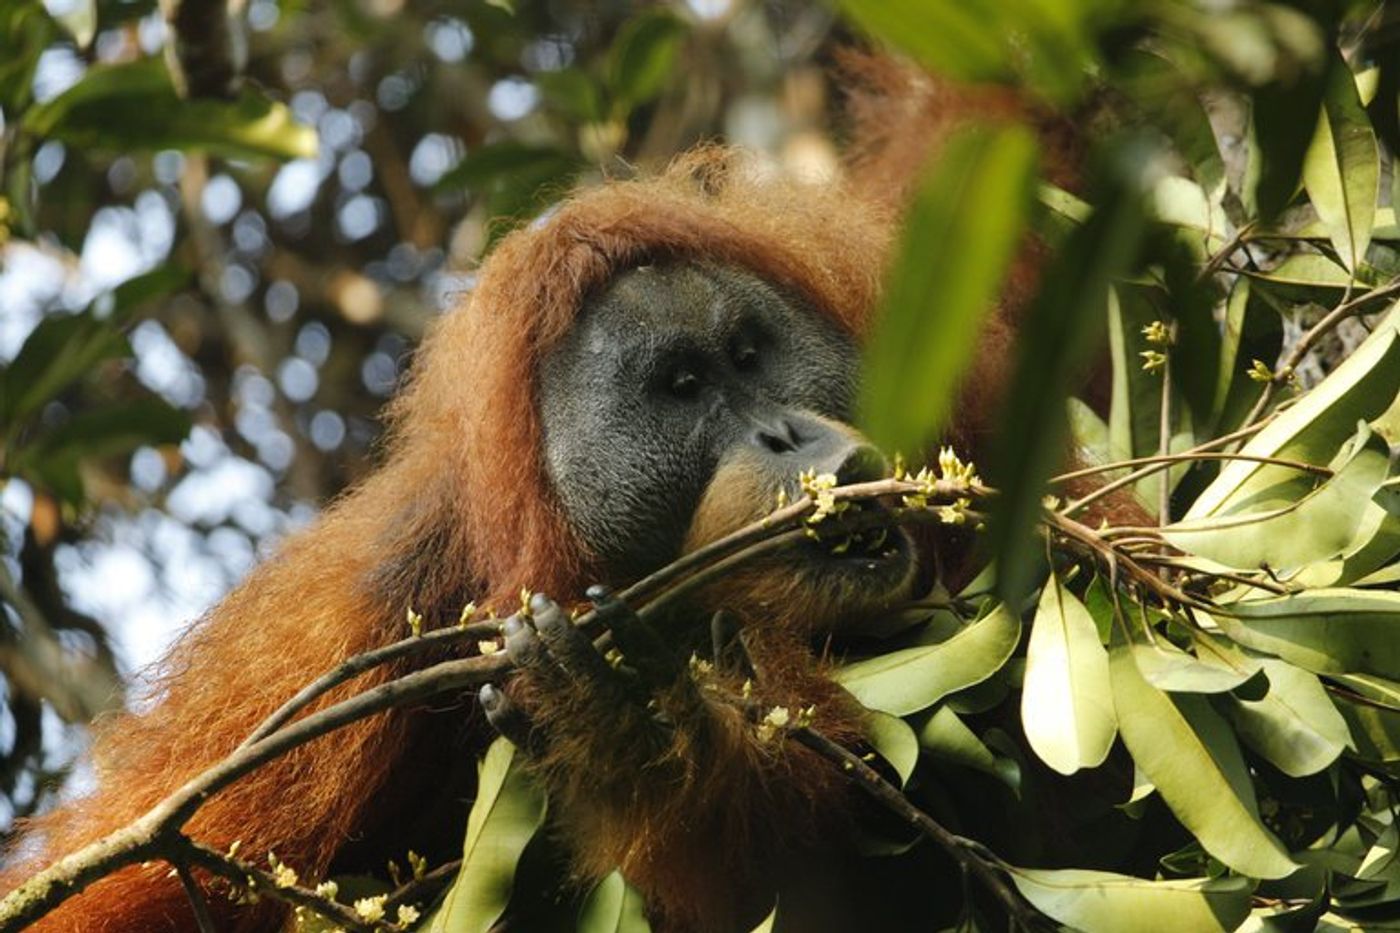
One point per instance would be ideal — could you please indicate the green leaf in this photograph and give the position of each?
(959, 237)
(1134, 414)
(1187, 752)
(1100, 901)
(512, 175)
(1318, 526)
(1066, 700)
(508, 810)
(1341, 171)
(80, 19)
(1304, 275)
(614, 906)
(945, 736)
(1253, 331)
(133, 106)
(1377, 544)
(1284, 114)
(575, 92)
(1059, 330)
(1326, 631)
(906, 681)
(1295, 725)
(893, 741)
(26, 30)
(1373, 720)
(1167, 667)
(642, 60)
(108, 430)
(953, 39)
(62, 349)
(1311, 431)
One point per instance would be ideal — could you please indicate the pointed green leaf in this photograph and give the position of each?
(1168, 668)
(508, 810)
(1104, 902)
(614, 906)
(1066, 700)
(1295, 725)
(906, 681)
(945, 736)
(964, 226)
(1341, 170)
(1188, 753)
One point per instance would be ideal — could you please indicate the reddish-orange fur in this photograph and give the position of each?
(461, 509)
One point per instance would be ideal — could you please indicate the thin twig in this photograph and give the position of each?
(144, 837)
(1178, 564)
(353, 667)
(421, 889)
(1105, 552)
(1169, 460)
(1110, 488)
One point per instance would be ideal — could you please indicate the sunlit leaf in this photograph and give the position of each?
(906, 681)
(1327, 631)
(1168, 668)
(1066, 700)
(508, 810)
(959, 236)
(614, 906)
(893, 741)
(1341, 171)
(1101, 902)
(1188, 753)
(1294, 725)
(769, 923)
(1373, 720)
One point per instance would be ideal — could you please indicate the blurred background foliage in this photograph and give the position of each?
(222, 235)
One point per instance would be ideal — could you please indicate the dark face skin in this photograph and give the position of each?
(673, 371)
